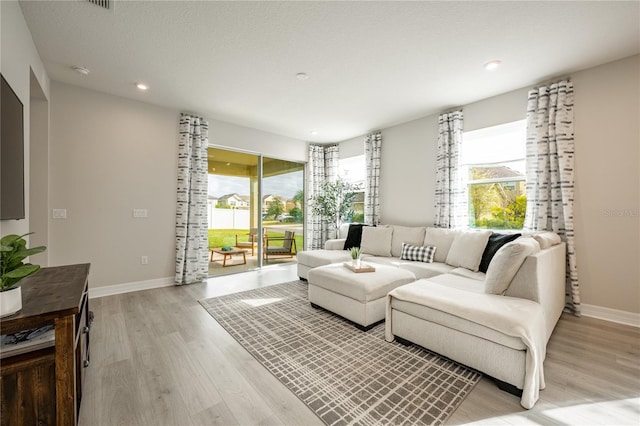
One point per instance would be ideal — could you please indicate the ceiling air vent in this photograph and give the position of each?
(106, 4)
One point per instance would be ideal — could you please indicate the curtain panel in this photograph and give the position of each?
(372, 155)
(192, 247)
(322, 166)
(451, 204)
(550, 173)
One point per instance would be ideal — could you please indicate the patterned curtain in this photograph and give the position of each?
(322, 166)
(372, 154)
(550, 179)
(451, 208)
(192, 262)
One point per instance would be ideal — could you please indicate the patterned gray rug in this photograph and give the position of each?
(344, 375)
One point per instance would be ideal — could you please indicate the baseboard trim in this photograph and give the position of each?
(111, 290)
(613, 315)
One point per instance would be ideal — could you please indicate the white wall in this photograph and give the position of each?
(110, 155)
(607, 205)
(607, 215)
(18, 57)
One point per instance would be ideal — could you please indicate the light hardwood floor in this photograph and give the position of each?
(158, 358)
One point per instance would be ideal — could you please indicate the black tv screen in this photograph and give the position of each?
(11, 154)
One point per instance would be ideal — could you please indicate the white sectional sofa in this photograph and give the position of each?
(497, 321)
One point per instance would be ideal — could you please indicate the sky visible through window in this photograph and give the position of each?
(285, 185)
(497, 144)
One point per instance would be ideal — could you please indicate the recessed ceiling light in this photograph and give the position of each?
(142, 86)
(492, 65)
(314, 132)
(80, 70)
(302, 76)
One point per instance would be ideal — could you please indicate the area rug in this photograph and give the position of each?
(344, 375)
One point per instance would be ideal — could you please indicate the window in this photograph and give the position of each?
(353, 170)
(493, 163)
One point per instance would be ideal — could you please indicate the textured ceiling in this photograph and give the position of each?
(370, 64)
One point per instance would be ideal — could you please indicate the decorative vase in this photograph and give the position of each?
(10, 301)
(355, 263)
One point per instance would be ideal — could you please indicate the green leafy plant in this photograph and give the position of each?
(334, 200)
(355, 252)
(13, 250)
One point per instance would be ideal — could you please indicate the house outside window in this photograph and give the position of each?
(353, 170)
(493, 164)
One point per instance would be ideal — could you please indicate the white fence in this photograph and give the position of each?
(228, 218)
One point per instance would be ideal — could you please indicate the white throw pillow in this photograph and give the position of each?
(547, 239)
(376, 240)
(405, 234)
(467, 248)
(441, 238)
(506, 263)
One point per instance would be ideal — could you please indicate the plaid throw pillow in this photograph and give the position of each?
(418, 253)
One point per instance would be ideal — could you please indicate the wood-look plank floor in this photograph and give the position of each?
(158, 358)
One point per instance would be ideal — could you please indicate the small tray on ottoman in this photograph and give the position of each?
(363, 267)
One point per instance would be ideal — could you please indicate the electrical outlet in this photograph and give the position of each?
(140, 213)
(59, 213)
(144, 260)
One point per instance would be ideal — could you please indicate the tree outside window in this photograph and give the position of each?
(493, 162)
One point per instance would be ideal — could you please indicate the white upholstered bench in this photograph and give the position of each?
(358, 297)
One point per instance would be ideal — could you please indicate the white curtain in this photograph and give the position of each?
(550, 176)
(192, 260)
(372, 154)
(451, 205)
(322, 166)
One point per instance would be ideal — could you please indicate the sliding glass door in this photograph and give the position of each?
(282, 209)
(255, 210)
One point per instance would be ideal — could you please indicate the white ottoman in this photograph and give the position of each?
(358, 297)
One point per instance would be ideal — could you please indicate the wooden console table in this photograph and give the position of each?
(45, 386)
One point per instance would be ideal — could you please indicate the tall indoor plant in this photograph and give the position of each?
(333, 202)
(13, 250)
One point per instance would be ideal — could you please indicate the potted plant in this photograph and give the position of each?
(355, 256)
(333, 202)
(13, 250)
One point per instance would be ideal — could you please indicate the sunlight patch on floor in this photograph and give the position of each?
(621, 411)
(260, 302)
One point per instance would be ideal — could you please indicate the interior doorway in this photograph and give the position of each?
(255, 211)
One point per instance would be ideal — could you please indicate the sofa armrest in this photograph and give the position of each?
(335, 244)
(541, 278)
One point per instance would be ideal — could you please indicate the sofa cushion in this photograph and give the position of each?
(376, 240)
(354, 236)
(456, 323)
(441, 239)
(417, 253)
(406, 234)
(315, 258)
(459, 282)
(425, 270)
(493, 245)
(464, 272)
(343, 230)
(506, 262)
(467, 248)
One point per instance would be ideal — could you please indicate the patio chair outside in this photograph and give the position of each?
(288, 247)
(251, 242)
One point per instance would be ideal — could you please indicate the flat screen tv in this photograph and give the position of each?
(11, 154)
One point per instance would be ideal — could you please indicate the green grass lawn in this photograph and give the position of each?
(227, 237)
